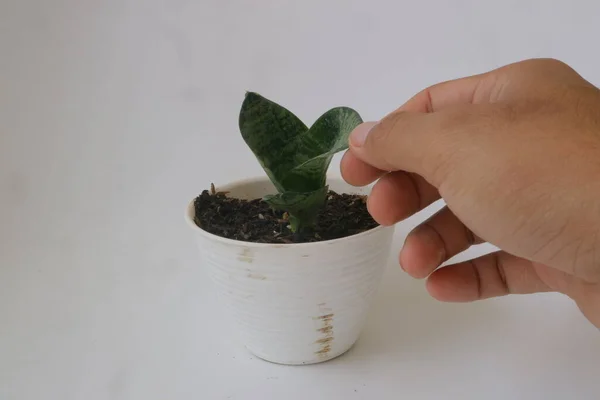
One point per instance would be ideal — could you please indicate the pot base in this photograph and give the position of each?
(317, 360)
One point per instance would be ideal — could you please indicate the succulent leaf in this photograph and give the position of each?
(295, 157)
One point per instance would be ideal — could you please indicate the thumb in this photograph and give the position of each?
(403, 138)
(394, 143)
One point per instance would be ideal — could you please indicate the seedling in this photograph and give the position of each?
(295, 157)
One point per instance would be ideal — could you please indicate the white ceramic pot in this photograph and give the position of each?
(295, 303)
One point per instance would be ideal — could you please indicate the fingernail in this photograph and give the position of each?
(360, 133)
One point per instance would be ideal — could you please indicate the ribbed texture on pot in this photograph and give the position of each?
(296, 303)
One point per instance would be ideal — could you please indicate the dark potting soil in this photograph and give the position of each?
(255, 221)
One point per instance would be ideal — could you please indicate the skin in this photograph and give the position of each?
(515, 154)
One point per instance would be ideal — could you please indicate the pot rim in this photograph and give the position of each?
(190, 211)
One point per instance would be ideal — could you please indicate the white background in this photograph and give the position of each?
(115, 113)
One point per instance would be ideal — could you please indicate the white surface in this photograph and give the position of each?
(112, 117)
(295, 304)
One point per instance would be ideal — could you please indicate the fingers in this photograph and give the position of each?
(434, 242)
(492, 275)
(398, 195)
(356, 172)
(407, 137)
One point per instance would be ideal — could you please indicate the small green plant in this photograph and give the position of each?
(295, 157)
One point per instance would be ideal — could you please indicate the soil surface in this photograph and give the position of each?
(255, 221)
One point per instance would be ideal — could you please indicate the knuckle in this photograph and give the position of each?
(535, 64)
(556, 63)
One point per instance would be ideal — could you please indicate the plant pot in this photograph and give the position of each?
(295, 303)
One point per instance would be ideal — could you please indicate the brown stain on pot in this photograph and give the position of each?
(327, 317)
(326, 330)
(325, 340)
(324, 352)
(246, 256)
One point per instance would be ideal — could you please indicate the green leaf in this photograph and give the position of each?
(266, 128)
(295, 157)
(326, 137)
(302, 208)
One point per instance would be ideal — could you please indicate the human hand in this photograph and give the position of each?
(515, 154)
